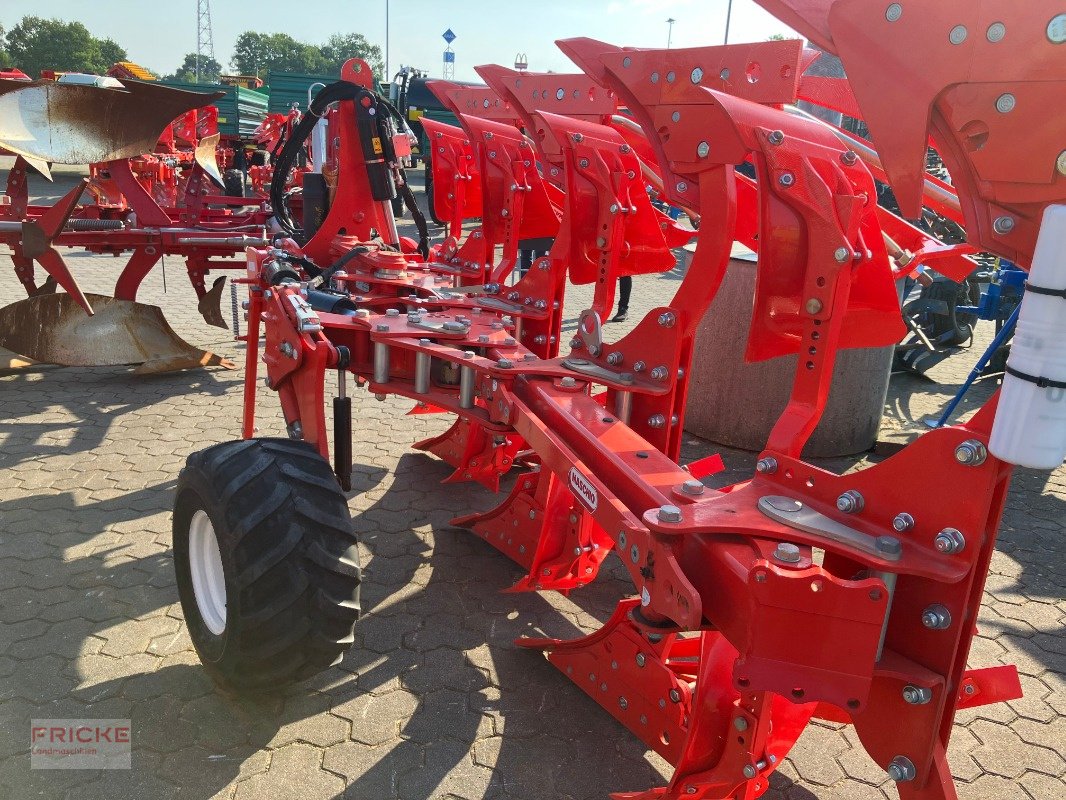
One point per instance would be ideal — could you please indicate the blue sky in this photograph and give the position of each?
(158, 35)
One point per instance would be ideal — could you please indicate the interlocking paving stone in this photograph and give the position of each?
(435, 700)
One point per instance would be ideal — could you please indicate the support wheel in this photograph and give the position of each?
(267, 564)
(233, 183)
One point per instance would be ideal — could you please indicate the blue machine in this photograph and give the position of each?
(1001, 303)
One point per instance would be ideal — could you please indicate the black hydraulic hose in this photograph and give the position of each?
(416, 214)
(407, 195)
(337, 265)
(341, 90)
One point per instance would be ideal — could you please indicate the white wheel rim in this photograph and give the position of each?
(208, 579)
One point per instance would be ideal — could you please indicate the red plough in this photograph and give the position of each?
(797, 593)
(153, 185)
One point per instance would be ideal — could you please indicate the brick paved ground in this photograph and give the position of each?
(434, 700)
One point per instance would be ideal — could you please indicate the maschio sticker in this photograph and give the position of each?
(583, 489)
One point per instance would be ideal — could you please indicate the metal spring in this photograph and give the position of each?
(233, 305)
(94, 225)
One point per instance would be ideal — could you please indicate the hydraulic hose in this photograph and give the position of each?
(286, 159)
(341, 90)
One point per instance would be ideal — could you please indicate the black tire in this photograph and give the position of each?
(233, 183)
(261, 158)
(952, 328)
(289, 557)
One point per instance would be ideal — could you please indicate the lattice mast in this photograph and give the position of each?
(205, 40)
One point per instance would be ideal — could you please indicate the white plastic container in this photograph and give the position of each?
(1030, 426)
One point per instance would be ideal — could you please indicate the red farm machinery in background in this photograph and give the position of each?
(158, 185)
(795, 594)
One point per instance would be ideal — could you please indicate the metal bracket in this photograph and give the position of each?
(459, 290)
(590, 331)
(796, 515)
(450, 327)
(500, 305)
(306, 318)
(596, 371)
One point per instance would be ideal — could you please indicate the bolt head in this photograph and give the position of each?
(849, 158)
(787, 553)
(936, 617)
(697, 75)
(703, 149)
(682, 187)
(675, 696)
(842, 255)
(972, 453)
(749, 771)
(1006, 103)
(568, 382)
(850, 502)
(693, 487)
(889, 545)
(894, 12)
(996, 31)
(901, 769)
(641, 659)
(917, 695)
(669, 514)
(949, 541)
(741, 724)
(814, 306)
(767, 466)
(902, 522)
(776, 137)
(787, 179)
(958, 34)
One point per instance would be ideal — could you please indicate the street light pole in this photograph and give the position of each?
(388, 77)
(728, 18)
(670, 31)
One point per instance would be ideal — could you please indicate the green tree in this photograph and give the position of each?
(36, 44)
(342, 46)
(210, 70)
(257, 53)
(111, 52)
(5, 59)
